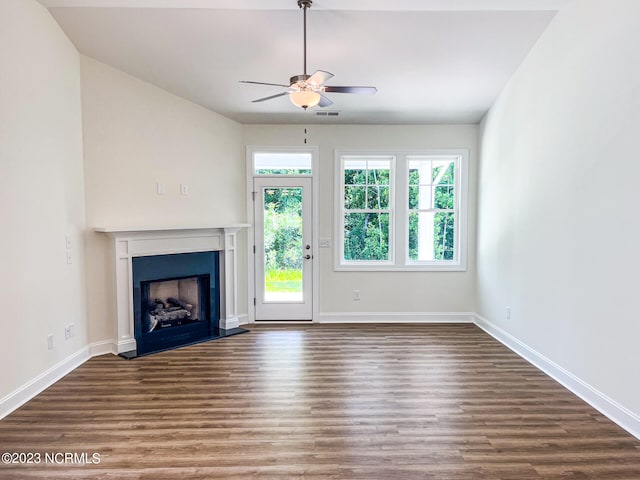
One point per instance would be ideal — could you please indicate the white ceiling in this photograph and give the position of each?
(433, 61)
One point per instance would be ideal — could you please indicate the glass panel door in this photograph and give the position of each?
(283, 249)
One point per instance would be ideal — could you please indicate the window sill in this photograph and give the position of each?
(400, 268)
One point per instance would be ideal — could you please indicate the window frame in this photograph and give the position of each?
(399, 212)
(366, 264)
(253, 151)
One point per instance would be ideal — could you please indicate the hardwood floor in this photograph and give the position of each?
(319, 402)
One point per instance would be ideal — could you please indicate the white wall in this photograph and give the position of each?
(135, 135)
(422, 292)
(559, 197)
(41, 194)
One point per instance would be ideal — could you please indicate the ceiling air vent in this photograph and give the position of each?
(327, 114)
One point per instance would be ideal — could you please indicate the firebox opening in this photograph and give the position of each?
(175, 302)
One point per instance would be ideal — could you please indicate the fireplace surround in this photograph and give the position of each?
(175, 300)
(128, 244)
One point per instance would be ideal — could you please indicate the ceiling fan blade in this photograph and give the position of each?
(361, 90)
(269, 98)
(318, 78)
(263, 83)
(324, 101)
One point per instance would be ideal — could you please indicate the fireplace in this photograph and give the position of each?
(175, 300)
(155, 249)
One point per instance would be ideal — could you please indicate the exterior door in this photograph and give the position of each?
(283, 250)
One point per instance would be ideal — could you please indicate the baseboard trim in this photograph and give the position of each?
(102, 348)
(617, 413)
(401, 317)
(282, 322)
(29, 390)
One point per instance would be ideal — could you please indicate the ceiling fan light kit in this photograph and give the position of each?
(305, 98)
(307, 90)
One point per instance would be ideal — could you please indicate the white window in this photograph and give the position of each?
(282, 163)
(432, 208)
(401, 210)
(366, 208)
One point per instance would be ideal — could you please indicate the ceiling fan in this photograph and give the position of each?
(307, 90)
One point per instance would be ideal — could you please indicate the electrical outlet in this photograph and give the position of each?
(67, 332)
(508, 313)
(50, 341)
(356, 294)
(184, 189)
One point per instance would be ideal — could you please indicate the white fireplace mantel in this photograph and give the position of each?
(145, 241)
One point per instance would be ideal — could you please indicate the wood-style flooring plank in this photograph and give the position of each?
(370, 402)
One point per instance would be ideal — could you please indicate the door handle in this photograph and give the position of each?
(307, 257)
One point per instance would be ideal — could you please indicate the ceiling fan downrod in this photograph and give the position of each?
(305, 5)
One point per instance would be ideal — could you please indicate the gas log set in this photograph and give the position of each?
(169, 313)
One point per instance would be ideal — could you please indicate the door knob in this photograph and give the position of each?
(307, 257)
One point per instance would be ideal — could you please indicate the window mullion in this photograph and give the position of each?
(401, 206)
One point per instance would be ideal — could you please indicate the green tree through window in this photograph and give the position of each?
(431, 209)
(283, 239)
(366, 203)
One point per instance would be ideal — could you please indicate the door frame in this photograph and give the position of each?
(251, 271)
